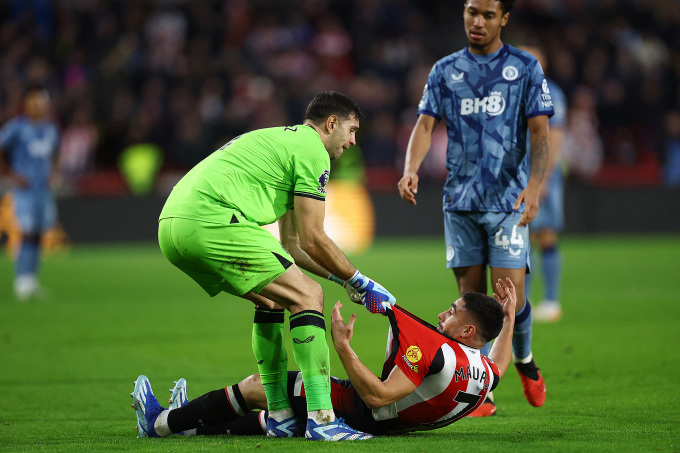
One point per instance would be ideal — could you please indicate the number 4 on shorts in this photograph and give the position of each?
(515, 239)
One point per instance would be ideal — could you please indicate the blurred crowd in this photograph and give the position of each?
(187, 76)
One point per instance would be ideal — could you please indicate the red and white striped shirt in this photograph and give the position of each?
(452, 379)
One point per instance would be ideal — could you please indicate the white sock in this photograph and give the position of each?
(527, 359)
(321, 417)
(25, 286)
(161, 425)
(281, 415)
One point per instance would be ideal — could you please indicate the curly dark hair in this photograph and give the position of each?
(487, 314)
(507, 5)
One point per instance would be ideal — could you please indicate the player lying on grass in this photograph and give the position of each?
(431, 377)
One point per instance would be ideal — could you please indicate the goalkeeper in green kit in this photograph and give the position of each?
(210, 228)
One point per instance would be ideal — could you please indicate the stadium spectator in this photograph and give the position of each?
(420, 361)
(76, 150)
(28, 149)
(582, 147)
(627, 52)
(549, 221)
(210, 229)
(494, 165)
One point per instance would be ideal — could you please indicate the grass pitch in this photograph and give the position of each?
(67, 364)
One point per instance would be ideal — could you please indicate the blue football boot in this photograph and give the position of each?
(285, 428)
(146, 407)
(333, 431)
(178, 394)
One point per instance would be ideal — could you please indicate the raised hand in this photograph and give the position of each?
(505, 294)
(340, 330)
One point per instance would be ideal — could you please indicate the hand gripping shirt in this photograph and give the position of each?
(258, 173)
(453, 379)
(486, 101)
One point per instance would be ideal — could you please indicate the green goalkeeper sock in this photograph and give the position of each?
(271, 356)
(308, 330)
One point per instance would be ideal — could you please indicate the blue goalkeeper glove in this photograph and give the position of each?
(353, 294)
(373, 295)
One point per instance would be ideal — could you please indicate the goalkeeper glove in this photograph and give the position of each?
(373, 295)
(353, 294)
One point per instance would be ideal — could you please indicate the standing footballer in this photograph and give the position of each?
(489, 94)
(29, 143)
(549, 221)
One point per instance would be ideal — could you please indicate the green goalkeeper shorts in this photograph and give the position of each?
(235, 258)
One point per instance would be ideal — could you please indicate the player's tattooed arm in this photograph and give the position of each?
(539, 147)
(539, 152)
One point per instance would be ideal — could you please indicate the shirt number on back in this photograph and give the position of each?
(469, 399)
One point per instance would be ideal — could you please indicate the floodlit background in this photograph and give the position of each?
(146, 89)
(143, 90)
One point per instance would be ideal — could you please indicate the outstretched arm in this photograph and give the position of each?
(373, 391)
(290, 240)
(501, 351)
(324, 255)
(311, 238)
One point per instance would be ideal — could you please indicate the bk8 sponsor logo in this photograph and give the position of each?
(493, 105)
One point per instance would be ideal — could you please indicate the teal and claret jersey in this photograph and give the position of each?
(486, 101)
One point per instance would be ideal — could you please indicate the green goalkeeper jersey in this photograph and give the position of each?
(258, 173)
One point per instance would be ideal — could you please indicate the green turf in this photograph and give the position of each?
(67, 365)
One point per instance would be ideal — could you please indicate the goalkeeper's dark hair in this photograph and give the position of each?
(507, 5)
(332, 103)
(487, 314)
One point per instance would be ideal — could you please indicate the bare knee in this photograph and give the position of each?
(547, 239)
(312, 298)
(471, 278)
(252, 391)
(253, 380)
(294, 291)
